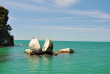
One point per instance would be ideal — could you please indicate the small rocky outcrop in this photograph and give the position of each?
(35, 48)
(67, 50)
(6, 39)
(28, 51)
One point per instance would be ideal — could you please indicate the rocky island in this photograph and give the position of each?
(35, 48)
(6, 39)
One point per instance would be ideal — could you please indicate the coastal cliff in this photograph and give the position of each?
(6, 39)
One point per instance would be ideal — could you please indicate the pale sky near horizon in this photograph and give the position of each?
(65, 20)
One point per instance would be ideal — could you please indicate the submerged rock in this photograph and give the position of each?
(34, 45)
(48, 47)
(67, 50)
(55, 53)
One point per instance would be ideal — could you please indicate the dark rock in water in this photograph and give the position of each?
(31, 52)
(37, 53)
(55, 53)
(5, 38)
(67, 50)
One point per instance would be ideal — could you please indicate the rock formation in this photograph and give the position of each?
(5, 38)
(28, 51)
(48, 46)
(35, 48)
(34, 45)
(67, 50)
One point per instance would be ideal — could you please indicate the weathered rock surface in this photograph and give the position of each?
(67, 50)
(5, 38)
(34, 45)
(48, 47)
(28, 51)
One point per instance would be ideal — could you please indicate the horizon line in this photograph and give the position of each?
(74, 40)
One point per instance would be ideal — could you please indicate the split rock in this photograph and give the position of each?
(48, 47)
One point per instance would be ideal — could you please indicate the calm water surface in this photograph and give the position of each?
(89, 58)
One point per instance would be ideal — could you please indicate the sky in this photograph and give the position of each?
(64, 20)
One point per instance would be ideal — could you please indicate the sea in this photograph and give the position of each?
(89, 58)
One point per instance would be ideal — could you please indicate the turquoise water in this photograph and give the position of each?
(89, 58)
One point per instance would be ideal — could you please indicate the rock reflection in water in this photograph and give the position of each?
(34, 62)
(38, 63)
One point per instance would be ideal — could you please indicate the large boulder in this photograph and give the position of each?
(34, 45)
(67, 50)
(48, 47)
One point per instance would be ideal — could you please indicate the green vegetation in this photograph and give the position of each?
(5, 38)
(3, 16)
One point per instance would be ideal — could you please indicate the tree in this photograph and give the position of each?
(5, 38)
(3, 16)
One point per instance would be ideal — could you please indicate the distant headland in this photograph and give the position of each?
(6, 39)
